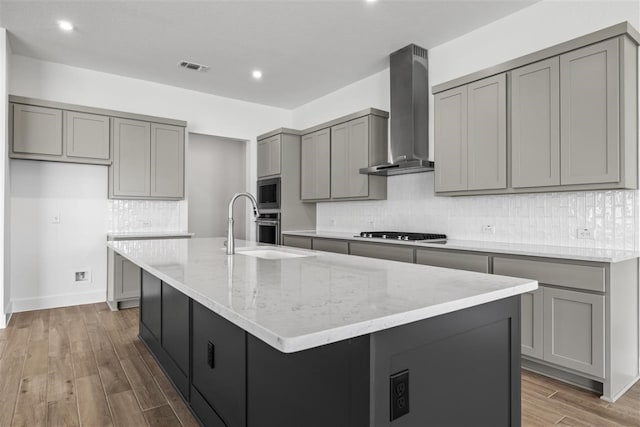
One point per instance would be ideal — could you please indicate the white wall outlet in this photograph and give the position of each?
(82, 276)
(55, 218)
(489, 229)
(146, 223)
(332, 221)
(371, 223)
(585, 233)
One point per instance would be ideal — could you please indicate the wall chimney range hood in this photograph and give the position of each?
(409, 144)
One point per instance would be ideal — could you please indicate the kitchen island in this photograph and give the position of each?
(274, 336)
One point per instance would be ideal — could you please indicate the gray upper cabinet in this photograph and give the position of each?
(572, 122)
(535, 124)
(269, 156)
(349, 153)
(451, 135)
(334, 152)
(130, 173)
(148, 160)
(470, 134)
(167, 161)
(487, 134)
(589, 107)
(86, 135)
(37, 130)
(315, 171)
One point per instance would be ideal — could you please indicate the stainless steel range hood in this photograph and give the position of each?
(409, 143)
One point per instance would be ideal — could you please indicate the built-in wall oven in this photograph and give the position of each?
(268, 228)
(269, 193)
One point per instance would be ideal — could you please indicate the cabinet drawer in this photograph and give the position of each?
(297, 241)
(470, 262)
(591, 278)
(328, 245)
(372, 250)
(218, 364)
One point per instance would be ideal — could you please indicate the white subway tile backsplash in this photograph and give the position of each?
(144, 216)
(540, 218)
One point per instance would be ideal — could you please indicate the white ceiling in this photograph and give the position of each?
(305, 49)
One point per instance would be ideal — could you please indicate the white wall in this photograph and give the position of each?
(67, 246)
(5, 253)
(545, 219)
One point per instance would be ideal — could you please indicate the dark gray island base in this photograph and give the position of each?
(463, 369)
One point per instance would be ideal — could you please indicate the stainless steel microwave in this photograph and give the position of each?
(269, 193)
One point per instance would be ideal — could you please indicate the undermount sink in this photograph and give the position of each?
(268, 253)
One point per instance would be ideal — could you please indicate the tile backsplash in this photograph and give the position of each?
(145, 216)
(539, 218)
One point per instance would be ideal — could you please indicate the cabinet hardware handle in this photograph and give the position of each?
(211, 355)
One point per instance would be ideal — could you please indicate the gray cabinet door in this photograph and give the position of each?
(86, 135)
(531, 323)
(487, 134)
(450, 142)
(448, 259)
(269, 156)
(127, 279)
(349, 153)
(37, 130)
(535, 124)
(315, 170)
(330, 245)
(167, 161)
(590, 111)
(390, 252)
(297, 241)
(574, 330)
(131, 158)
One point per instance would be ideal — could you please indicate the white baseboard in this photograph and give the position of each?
(6, 317)
(54, 301)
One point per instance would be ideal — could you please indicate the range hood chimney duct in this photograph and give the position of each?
(409, 143)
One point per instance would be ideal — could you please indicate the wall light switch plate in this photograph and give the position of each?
(55, 218)
(489, 229)
(585, 233)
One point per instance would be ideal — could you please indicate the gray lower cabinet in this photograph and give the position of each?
(448, 259)
(315, 167)
(535, 124)
(589, 107)
(269, 156)
(574, 330)
(37, 130)
(382, 251)
(127, 279)
(86, 136)
(148, 160)
(531, 323)
(331, 245)
(297, 241)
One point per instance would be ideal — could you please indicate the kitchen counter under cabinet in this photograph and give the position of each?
(327, 334)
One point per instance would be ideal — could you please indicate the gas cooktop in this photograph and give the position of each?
(405, 236)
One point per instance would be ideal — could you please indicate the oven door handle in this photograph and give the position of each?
(262, 222)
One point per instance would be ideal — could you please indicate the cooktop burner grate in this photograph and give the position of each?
(400, 235)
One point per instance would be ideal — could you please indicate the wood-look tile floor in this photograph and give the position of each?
(84, 365)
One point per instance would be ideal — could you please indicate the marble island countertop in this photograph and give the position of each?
(547, 251)
(299, 303)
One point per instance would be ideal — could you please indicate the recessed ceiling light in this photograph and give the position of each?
(371, 1)
(257, 74)
(65, 25)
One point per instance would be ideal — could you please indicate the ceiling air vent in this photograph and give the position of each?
(193, 66)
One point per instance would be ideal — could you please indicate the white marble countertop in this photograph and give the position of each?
(147, 235)
(299, 303)
(561, 252)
